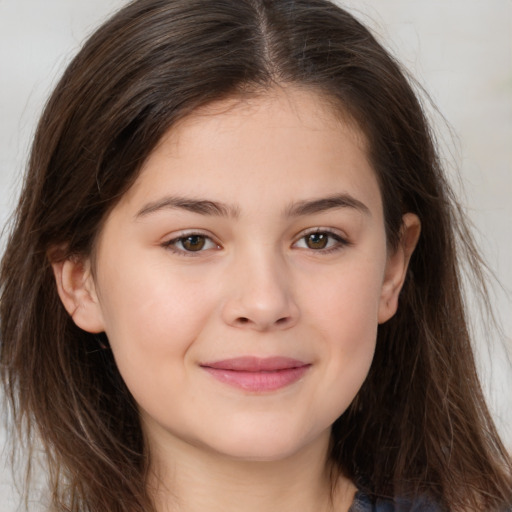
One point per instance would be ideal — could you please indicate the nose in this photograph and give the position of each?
(260, 295)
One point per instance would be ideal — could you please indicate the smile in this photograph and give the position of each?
(257, 374)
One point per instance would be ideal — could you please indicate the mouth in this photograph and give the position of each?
(257, 374)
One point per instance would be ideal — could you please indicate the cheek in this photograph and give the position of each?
(350, 333)
(151, 319)
(346, 316)
(346, 300)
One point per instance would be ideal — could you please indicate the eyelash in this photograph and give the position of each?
(172, 244)
(339, 242)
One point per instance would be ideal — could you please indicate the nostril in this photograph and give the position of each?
(243, 320)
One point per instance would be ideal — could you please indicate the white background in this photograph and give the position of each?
(459, 50)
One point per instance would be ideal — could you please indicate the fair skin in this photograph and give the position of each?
(240, 282)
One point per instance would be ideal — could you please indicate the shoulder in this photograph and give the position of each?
(363, 503)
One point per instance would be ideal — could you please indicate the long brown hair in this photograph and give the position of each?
(418, 425)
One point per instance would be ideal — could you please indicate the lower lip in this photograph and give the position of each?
(258, 381)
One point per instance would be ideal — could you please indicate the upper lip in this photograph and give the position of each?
(255, 364)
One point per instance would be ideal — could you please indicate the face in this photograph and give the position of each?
(241, 279)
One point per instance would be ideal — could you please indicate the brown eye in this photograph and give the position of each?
(193, 242)
(324, 242)
(317, 240)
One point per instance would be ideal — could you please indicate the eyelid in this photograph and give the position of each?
(340, 238)
(170, 244)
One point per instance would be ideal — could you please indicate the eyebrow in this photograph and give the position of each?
(207, 207)
(200, 206)
(326, 203)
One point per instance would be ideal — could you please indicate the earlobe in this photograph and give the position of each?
(76, 288)
(396, 267)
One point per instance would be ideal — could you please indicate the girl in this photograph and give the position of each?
(232, 281)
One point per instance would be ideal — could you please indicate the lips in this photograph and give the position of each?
(257, 374)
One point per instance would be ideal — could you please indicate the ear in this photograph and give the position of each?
(396, 266)
(77, 291)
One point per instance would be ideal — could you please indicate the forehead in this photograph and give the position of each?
(288, 107)
(286, 142)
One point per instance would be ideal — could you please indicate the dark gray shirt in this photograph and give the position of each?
(362, 503)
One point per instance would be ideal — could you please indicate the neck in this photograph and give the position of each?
(214, 482)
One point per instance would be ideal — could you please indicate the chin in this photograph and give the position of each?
(270, 446)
